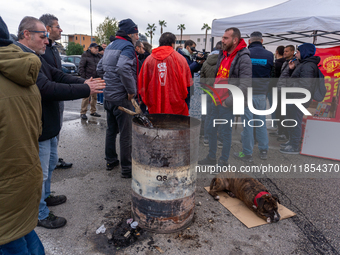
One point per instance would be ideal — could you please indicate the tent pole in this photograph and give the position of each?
(315, 37)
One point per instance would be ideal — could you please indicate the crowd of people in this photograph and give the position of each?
(160, 80)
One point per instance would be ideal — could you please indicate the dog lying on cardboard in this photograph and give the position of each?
(253, 193)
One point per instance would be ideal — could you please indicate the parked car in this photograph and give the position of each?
(69, 68)
(75, 59)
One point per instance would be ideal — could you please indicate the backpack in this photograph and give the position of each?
(320, 89)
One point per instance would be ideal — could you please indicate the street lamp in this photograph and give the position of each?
(91, 18)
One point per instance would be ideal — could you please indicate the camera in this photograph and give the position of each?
(195, 56)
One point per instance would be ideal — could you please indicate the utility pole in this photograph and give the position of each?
(91, 19)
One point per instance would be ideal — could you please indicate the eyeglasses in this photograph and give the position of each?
(45, 34)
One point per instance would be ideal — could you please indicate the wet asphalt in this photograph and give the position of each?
(96, 197)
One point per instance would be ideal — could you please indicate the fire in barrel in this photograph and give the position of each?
(163, 172)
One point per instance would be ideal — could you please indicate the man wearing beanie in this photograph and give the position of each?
(119, 67)
(20, 171)
(306, 72)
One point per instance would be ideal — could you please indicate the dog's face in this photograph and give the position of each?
(267, 208)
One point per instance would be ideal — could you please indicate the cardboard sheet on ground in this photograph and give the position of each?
(244, 214)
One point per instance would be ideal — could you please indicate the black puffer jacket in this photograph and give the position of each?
(88, 65)
(304, 76)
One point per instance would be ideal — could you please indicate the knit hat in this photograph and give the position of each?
(4, 34)
(128, 26)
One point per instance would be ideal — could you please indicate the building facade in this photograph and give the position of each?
(83, 40)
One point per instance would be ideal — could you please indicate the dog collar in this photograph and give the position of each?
(258, 196)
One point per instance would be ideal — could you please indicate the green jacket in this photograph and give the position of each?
(208, 70)
(20, 127)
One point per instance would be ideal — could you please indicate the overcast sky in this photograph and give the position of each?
(74, 15)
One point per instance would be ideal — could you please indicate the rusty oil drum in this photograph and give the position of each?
(163, 172)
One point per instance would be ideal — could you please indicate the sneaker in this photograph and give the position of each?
(274, 134)
(282, 138)
(110, 166)
(95, 114)
(55, 200)
(83, 116)
(52, 221)
(206, 142)
(289, 150)
(263, 154)
(245, 158)
(101, 103)
(207, 161)
(284, 145)
(222, 162)
(219, 144)
(62, 164)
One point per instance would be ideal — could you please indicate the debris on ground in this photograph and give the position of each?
(124, 235)
(101, 229)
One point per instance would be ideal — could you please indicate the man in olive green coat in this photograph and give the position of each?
(20, 127)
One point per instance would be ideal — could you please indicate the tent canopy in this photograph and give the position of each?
(295, 21)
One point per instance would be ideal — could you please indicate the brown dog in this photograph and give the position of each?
(253, 193)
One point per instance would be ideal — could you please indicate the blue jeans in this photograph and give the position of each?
(247, 135)
(100, 98)
(220, 112)
(270, 99)
(48, 155)
(294, 132)
(259, 103)
(29, 244)
(119, 122)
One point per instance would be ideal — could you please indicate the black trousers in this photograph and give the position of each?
(119, 122)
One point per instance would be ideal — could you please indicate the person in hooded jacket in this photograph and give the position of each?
(234, 67)
(20, 127)
(300, 76)
(164, 78)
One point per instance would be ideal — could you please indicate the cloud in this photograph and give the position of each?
(74, 16)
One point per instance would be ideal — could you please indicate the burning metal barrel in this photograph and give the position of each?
(163, 172)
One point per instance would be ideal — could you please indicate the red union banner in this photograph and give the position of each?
(330, 67)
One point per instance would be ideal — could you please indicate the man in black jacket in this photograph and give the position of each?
(301, 76)
(262, 64)
(87, 69)
(52, 57)
(54, 86)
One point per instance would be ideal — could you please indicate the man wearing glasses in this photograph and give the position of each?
(54, 86)
(52, 57)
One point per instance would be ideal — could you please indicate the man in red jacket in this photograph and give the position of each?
(164, 78)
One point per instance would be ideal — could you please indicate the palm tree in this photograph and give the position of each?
(181, 27)
(162, 23)
(151, 30)
(206, 27)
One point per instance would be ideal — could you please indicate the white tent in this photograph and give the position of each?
(294, 21)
